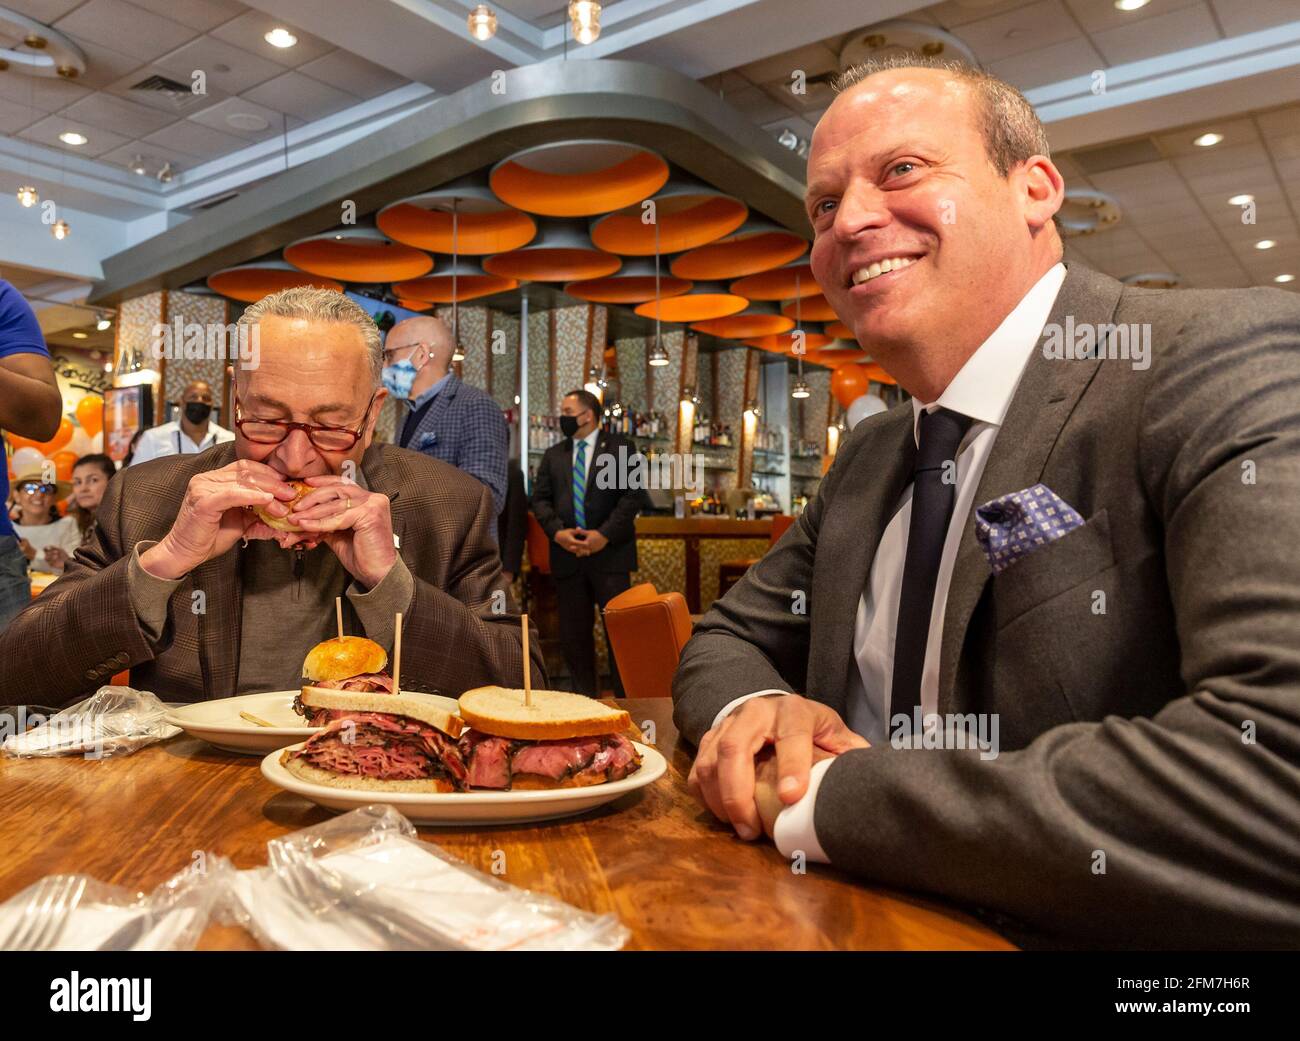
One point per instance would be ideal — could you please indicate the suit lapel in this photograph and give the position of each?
(1048, 392)
(380, 479)
(846, 546)
(564, 482)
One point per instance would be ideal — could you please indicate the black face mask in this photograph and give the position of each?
(568, 425)
(197, 411)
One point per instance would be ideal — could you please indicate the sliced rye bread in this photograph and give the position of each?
(420, 707)
(554, 714)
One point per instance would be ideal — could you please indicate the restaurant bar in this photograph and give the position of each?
(653, 476)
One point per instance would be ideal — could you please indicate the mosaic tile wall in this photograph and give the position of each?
(505, 367)
(817, 407)
(539, 368)
(473, 341)
(570, 351)
(134, 335)
(180, 372)
(729, 396)
(663, 562)
(713, 552)
(631, 353)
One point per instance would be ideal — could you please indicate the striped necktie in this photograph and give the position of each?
(580, 485)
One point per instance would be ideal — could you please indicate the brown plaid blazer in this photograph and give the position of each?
(82, 629)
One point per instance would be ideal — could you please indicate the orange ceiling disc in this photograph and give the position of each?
(561, 252)
(705, 300)
(634, 284)
(782, 283)
(840, 331)
(578, 178)
(687, 215)
(878, 375)
(756, 246)
(784, 342)
(833, 356)
(414, 305)
(812, 308)
(484, 224)
(471, 283)
(755, 320)
(353, 254)
(251, 282)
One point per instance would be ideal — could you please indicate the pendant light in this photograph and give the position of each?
(658, 356)
(457, 353)
(800, 389)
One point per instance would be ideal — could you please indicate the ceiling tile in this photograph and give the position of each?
(301, 96)
(49, 95)
(1235, 132)
(1280, 120)
(1161, 34)
(103, 64)
(229, 69)
(814, 59)
(759, 105)
(217, 117)
(1096, 15)
(250, 28)
(153, 155)
(1284, 146)
(347, 71)
(118, 115)
(1027, 28)
(1052, 64)
(1248, 16)
(15, 115)
(1222, 158)
(195, 140)
(960, 12)
(47, 131)
(197, 14)
(125, 28)
(175, 106)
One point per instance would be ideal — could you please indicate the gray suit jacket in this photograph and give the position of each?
(1163, 734)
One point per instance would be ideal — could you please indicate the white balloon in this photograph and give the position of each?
(27, 460)
(862, 407)
(80, 443)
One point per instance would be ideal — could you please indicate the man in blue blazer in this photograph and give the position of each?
(445, 418)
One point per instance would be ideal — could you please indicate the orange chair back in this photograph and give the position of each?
(539, 546)
(780, 524)
(647, 631)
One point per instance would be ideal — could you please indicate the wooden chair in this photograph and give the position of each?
(732, 571)
(647, 631)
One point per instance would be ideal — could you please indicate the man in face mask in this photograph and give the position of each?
(444, 418)
(193, 432)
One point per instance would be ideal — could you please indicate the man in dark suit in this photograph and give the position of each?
(445, 418)
(585, 502)
(1033, 646)
(187, 587)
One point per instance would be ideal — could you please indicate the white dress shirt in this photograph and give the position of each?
(170, 439)
(982, 389)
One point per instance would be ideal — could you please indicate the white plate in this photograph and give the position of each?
(473, 807)
(219, 722)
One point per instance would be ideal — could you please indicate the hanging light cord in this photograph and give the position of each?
(798, 321)
(455, 255)
(659, 346)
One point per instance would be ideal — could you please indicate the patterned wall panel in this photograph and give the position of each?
(631, 353)
(539, 364)
(213, 313)
(817, 407)
(473, 341)
(136, 319)
(713, 552)
(571, 351)
(729, 394)
(505, 367)
(663, 562)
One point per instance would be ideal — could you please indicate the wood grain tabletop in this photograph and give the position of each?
(676, 878)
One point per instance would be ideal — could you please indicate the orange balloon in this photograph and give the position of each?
(848, 383)
(22, 442)
(61, 438)
(63, 506)
(63, 463)
(90, 414)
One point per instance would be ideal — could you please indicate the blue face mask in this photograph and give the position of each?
(399, 377)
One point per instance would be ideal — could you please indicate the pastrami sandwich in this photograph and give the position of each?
(380, 742)
(343, 663)
(301, 490)
(561, 740)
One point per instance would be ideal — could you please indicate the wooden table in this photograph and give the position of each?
(676, 878)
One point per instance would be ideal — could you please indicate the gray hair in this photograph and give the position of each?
(321, 305)
(1011, 128)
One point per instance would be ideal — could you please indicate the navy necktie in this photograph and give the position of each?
(934, 487)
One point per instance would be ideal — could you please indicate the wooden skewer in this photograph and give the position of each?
(528, 670)
(397, 654)
(338, 613)
(254, 719)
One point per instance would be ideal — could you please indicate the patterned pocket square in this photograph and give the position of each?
(422, 441)
(1013, 526)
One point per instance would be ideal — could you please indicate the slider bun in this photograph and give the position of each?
(282, 523)
(554, 714)
(305, 771)
(343, 657)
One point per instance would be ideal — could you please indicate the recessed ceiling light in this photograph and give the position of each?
(1265, 244)
(80, 335)
(281, 38)
(1241, 200)
(71, 137)
(1131, 5)
(1284, 278)
(1206, 140)
(249, 121)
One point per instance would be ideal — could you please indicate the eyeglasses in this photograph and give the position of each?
(273, 431)
(390, 351)
(35, 488)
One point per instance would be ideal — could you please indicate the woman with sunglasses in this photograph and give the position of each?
(46, 539)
